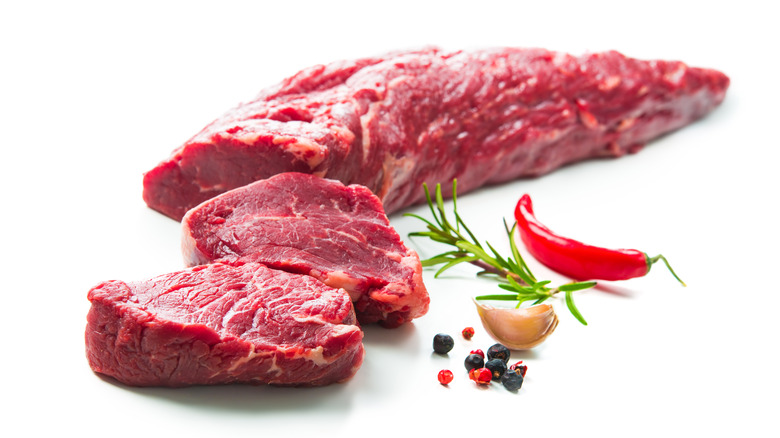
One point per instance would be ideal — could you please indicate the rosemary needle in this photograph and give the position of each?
(511, 272)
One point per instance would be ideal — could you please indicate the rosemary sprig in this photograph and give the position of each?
(511, 272)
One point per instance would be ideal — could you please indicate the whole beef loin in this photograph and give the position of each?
(315, 226)
(223, 324)
(392, 122)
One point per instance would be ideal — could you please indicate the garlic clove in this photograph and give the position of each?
(518, 329)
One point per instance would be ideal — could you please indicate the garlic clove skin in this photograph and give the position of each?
(518, 329)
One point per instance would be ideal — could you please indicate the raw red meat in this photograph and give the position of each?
(221, 324)
(315, 226)
(393, 122)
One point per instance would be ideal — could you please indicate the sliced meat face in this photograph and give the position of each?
(319, 227)
(221, 324)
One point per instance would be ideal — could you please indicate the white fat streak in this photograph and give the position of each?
(676, 76)
(301, 148)
(365, 119)
(396, 171)
(242, 360)
(315, 355)
(343, 280)
(395, 256)
(237, 305)
(316, 319)
(411, 261)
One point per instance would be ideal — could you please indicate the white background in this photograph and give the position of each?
(94, 94)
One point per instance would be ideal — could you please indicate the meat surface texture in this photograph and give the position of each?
(220, 324)
(315, 226)
(392, 122)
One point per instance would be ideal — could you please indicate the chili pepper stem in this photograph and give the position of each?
(652, 260)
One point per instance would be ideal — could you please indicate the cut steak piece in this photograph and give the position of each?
(392, 122)
(220, 324)
(315, 226)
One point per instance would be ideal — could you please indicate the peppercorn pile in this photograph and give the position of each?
(495, 369)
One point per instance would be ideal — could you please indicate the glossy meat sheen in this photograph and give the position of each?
(305, 224)
(221, 324)
(393, 122)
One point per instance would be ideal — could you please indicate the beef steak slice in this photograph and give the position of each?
(220, 324)
(393, 122)
(309, 225)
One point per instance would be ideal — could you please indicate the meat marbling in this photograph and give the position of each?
(219, 324)
(395, 121)
(305, 224)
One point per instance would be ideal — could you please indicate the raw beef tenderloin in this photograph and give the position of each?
(315, 226)
(220, 324)
(393, 122)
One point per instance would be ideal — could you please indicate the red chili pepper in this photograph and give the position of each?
(576, 259)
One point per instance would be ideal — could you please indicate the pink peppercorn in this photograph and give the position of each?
(482, 376)
(445, 377)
